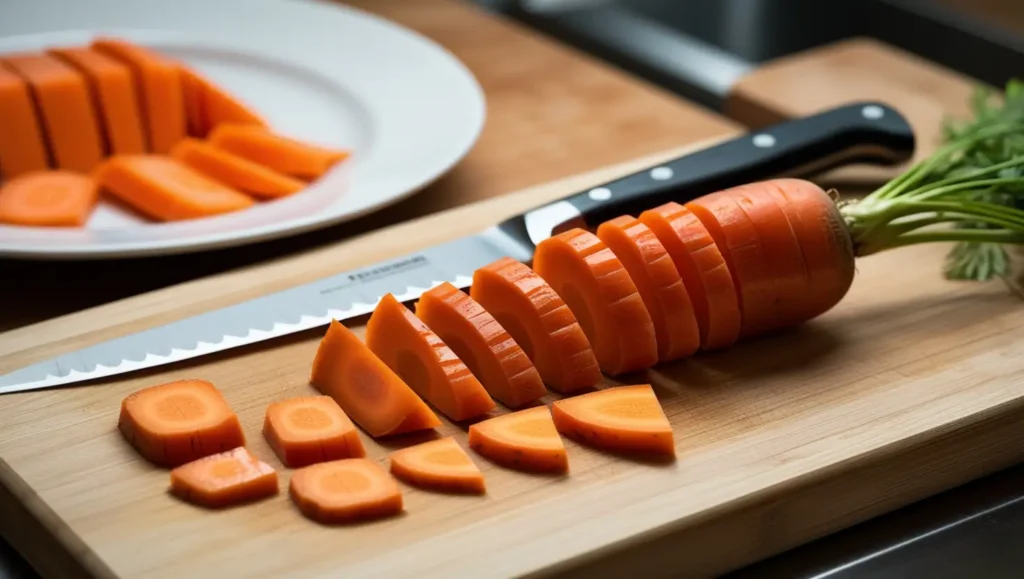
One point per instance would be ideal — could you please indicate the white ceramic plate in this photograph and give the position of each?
(317, 71)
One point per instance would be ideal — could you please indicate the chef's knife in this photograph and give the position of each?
(862, 132)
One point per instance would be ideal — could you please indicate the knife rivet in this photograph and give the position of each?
(661, 173)
(764, 140)
(872, 112)
(600, 194)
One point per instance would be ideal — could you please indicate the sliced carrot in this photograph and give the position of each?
(624, 418)
(482, 344)
(599, 291)
(48, 198)
(703, 270)
(62, 95)
(414, 352)
(539, 321)
(208, 105)
(224, 479)
(22, 140)
(113, 94)
(657, 279)
(282, 154)
(308, 429)
(346, 490)
(523, 440)
(177, 422)
(165, 189)
(440, 465)
(234, 171)
(366, 389)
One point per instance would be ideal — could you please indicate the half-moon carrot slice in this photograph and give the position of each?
(22, 140)
(539, 321)
(603, 297)
(308, 429)
(234, 171)
(277, 152)
(703, 270)
(208, 105)
(414, 352)
(622, 419)
(48, 198)
(482, 344)
(224, 479)
(440, 465)
(367, 390)
(346, 490)
(524, 440)
(177, 422)
(659, 284)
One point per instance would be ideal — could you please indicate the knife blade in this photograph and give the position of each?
(866, 132)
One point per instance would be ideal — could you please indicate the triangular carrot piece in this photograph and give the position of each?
(224, 479)
(525, 440)
(308, 429)
(282, 154)
(208, 105)
(347, 490)
(624, 419)
(440, 465)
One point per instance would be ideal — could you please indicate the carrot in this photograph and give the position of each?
(48, 198)
(62, 95)
(624, 418)
(22, 142)
(308, 429)
(414, 352)
(366, 389)
(599, 291)
(482, 344)
(439, 465)
(539, 321)
(524, 440)
(113, 95)
(165, 189)
(208, 105)
(177, 422)
(657, 279)
(224, 479)
(158, 81)
(703, 270)
(282, 154)
(344, 491)
(234, 171)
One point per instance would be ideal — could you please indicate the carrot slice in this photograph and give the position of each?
(624, 418)
(309, 429)
(539, 321)
(601, 294)
(177, 422)
(22, 142)
(208, 105)
(703, 270)
(113, 95)
(524, 440)
(71, 126)
(48, 198)
(482, 344)
(414, 352)
(224, 479)
(366, 389)
(346, 490)
(440, 465)
(166, 189)
(234, 171)
(657, 279)
(282, 154)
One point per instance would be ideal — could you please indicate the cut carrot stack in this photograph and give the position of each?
(22, 140)
(228, 478)
(234, 171)
(276, 152)
(524, 440)
(347, 490)
(309, 429)
(208, 105)
(439, 465)
(48, 198)
(623, 419)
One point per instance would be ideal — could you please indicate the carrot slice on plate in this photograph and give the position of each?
(624, 419)
(308, 429)
(208, 105)
(366, 389)
(346, 490)
(224, 479)
(482, 344)
(234, 171)
(440, 465)
(22, 140)
(282, 154)
(48, 198)
(414, 352)
(177, 422)
(524, 440)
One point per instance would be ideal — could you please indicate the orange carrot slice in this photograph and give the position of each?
(234, 171)
(539, 321)
(414, 352)
(48, 198)
(657, 279)
(346, 490)
(177, 422)
(309, 429)
(224, 479)
(208, 105)
(482, 344)
(282, 154)
(524, 440)
(366, 389)
(165, 189)
(22, 141)
(623, 419)
(599, 291)
(440, 465)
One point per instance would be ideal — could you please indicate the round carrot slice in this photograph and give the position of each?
(346, 490)
(310, 429)
(524, 440)
(223, 479)
(48, 198)
(440, 465)
(624, 419)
